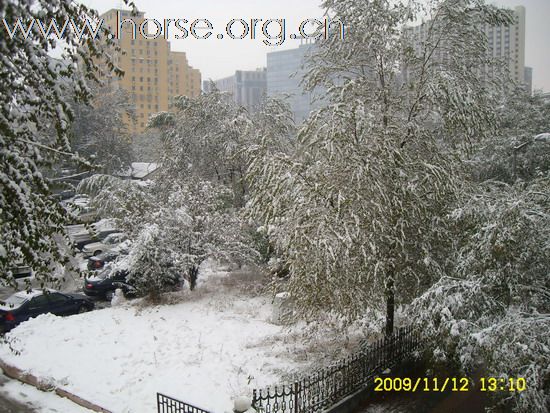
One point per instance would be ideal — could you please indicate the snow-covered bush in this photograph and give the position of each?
(521, 117)
(494, 310)
(154, 265)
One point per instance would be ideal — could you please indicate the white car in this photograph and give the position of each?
(109, 242)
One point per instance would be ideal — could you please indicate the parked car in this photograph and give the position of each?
(86, 214)
(109, 242)
(104, 283)
(21, 271)
(79, 206)
(84, 238)
(64, 195)
(97, 262)
(24, 305)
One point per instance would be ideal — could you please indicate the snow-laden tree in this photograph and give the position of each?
(35, 123)
(174, 226)
(153, 263)
(195, 221)
(146, 146)
(203, 137)
(359, 209)
(493, 312)
(99, 130)
(512, 153)
(191, 211)
(125, 200)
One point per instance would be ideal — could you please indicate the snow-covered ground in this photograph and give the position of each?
(211, 345)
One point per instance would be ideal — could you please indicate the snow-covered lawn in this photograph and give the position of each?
(214, 344)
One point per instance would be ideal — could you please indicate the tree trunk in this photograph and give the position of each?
(193, 274)
(390, 302)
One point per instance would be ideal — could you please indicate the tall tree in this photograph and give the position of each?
(359, 210)
(202, 138)
(32, 105)
(99, 131)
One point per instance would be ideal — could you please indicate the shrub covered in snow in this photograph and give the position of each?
(495, 309)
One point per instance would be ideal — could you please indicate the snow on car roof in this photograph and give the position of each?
(32, 293)
(19, 298)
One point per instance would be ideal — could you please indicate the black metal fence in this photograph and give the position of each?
(328, 386)
(166, 404)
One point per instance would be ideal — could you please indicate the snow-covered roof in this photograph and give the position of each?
(543, 137)
(140, 170)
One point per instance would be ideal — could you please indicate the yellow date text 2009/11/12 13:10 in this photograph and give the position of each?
(456, 384)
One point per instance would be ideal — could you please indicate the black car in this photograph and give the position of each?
(97, 262)
(103, 284)
(24, 305)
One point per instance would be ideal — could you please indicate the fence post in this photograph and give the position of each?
(296, 390)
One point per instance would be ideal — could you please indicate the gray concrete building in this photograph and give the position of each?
(248, 87)
(284, 73)
(509, 42)
(504, 42)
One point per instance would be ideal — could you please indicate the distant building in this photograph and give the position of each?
(546, 97)
(153, 74)
(248, 87)
(507, 42)
(284, 74)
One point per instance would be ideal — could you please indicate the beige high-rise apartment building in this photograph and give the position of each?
(153, 74)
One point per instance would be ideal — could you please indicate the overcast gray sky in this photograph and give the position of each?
(219, 58)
